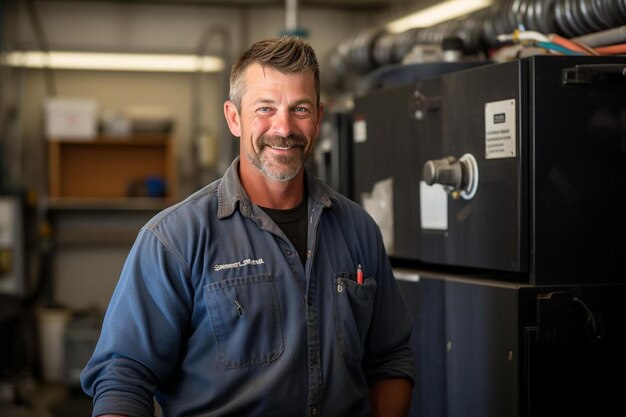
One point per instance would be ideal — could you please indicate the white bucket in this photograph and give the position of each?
(52, 323)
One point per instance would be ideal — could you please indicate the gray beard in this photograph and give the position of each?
(283, 168)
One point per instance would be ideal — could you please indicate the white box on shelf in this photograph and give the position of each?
(71, 118)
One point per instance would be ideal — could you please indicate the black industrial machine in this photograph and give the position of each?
(504, 183)
(334, 160)
(333, 152)
(515, 167)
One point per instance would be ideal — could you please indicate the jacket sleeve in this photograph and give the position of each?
(141, 333)
(387, 350)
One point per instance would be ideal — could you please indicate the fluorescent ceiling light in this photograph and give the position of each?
(438, 13)
(115, 61)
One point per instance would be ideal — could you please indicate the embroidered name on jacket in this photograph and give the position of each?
(239, 264)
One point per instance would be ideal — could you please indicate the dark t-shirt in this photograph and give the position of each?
(293, 224)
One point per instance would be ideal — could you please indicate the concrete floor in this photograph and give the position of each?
(49, 400)
(38, 399)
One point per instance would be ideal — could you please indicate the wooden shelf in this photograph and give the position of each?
(104, 204)
(112, 172)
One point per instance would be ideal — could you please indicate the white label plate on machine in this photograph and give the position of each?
(500, 132)
(359, 131)
(433, 206)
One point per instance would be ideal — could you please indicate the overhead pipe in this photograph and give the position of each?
(479, 31)
(292, 21)
(291, 16)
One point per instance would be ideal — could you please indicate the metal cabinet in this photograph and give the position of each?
(489, 348)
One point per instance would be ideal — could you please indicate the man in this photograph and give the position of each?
(265, 293)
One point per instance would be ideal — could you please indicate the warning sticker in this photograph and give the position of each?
(500, 132)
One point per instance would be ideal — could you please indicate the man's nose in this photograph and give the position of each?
(282, 123)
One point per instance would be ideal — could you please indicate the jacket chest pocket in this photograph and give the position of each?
(245, 316)
(354, 303)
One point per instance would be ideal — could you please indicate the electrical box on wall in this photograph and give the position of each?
(12, 281)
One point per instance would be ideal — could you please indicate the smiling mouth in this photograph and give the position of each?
(280, 143)
(282, 148)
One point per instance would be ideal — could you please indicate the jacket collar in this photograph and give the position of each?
(230, 192)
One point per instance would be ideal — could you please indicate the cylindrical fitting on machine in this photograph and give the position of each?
(447, 172)
(458, 176)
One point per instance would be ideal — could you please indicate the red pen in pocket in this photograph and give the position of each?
(359, 274)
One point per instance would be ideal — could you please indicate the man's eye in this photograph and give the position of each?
(301, 110)
(264, 109)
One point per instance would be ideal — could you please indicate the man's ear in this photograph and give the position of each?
(232, 118)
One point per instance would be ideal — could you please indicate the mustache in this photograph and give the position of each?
(292, 140)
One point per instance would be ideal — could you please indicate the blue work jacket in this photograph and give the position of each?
(215, 315)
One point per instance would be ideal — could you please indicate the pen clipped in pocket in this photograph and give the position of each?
(353, 312)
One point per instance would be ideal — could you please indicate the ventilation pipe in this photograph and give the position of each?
(291, 20)
(291, 16)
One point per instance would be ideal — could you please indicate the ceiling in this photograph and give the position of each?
(369, 4)
(389, 7)
(336, 4)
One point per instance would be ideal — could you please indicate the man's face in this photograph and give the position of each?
(278, 122)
